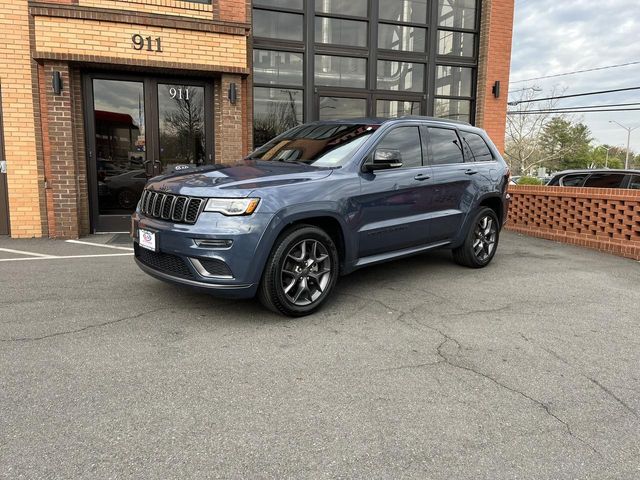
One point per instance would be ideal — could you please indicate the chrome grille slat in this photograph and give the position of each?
(167, 206)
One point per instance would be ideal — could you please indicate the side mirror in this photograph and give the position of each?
(385, 159)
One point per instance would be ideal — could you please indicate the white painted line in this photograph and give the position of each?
(129, 249)
(21, 252)
(65, 257)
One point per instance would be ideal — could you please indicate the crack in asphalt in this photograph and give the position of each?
(88, 327)
(602, 387)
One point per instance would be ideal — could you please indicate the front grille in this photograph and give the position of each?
(163, 262)
(167, 206)
(215, 267)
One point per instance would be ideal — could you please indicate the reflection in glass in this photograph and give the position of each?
(276, 110)
(400, 76)
(341, 71)
(445, 146)
(181, 117)
(406, 39)
(284, 68)
(280, 25)
(456, 44)
(410, 11)
(457, 14)
(120, 144)
(396, 108)
(454, 81)
(318, 145)
(407, 141)
(341, 32)
(336, 108)
(453, 109)
(356, 8)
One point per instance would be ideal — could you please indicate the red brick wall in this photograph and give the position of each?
(600, 218)
(233, 10)
(496, 31)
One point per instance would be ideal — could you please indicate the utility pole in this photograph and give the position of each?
(629, 130)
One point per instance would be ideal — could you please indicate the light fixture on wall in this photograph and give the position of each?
(57, 82)
(496, 89)
(233, 93)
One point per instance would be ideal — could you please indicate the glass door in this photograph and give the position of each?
(138, 128)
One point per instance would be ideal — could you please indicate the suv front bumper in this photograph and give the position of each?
(182, 257)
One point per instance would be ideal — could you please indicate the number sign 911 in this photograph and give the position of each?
(149, 44)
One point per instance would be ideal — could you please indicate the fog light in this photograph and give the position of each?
(219, 244)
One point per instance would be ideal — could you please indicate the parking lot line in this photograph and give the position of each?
(22, 252)
(62, 257)
(80, 242)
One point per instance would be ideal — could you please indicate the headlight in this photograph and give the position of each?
(232, 206)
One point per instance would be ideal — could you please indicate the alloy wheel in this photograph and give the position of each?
(485, 237)
(306, 272)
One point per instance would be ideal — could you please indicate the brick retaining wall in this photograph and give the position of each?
(599, 218)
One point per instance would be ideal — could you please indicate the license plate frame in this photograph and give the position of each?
(148, 239)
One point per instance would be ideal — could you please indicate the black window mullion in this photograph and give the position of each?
(310, 108)
(373, 42)
(432, 51)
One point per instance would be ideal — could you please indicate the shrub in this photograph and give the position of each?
(529, 181)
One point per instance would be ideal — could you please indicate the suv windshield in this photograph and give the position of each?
(320, 145)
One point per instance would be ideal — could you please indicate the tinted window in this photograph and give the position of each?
(445, 146)
(340, 108)
(341, 32)
(407, 141)
(400, 76)
(321, 145)
(634, 184)
(573, 180)
(477, 148)
(398, 37)
(332, 71)
(411, 11)
(275, 110)
(357, 8)
(283, 68)
(604, 180)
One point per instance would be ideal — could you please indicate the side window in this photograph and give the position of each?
(407, 141)
(634, 184)
(476, 148)
(604, 180)
(445, 146)
(572, 180)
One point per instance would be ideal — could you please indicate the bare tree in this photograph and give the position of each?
(523, 151)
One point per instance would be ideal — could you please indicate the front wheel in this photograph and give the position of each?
(300, 273)
(481, 242)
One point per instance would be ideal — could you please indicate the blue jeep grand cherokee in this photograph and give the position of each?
(320, 201)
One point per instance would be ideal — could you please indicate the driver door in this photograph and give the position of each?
(394, 204)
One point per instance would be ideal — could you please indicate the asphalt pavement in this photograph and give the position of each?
(421, 369)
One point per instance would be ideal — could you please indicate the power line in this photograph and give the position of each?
(577, 72)
(586, 106)
(544, 112)
(601, 92)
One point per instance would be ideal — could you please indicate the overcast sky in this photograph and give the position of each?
(558, 36)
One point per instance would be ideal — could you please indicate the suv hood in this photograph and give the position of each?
(236, 180)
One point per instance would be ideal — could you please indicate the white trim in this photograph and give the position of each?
(78, 242)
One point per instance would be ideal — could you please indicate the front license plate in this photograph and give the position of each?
(147, 239)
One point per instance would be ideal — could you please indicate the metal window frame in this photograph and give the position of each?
(5, 223)
(429, 58)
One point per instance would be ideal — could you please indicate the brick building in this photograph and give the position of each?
(98, 95)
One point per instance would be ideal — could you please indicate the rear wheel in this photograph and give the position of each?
(300, 273)
(481, 242)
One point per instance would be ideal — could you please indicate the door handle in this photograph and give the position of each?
(470, 172)
(422, 177)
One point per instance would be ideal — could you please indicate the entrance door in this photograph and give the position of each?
(138, 128)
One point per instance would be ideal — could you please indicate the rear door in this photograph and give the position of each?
(394, 204)
(455, 188)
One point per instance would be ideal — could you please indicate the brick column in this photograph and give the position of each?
(19, 87)
(230, 120)
(61, 173)
(496, 31)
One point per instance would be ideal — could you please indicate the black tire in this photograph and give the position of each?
(290, 263)
(481, 243)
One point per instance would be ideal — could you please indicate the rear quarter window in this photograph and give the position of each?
(476, 149)
(634, 184)
(573, 180)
